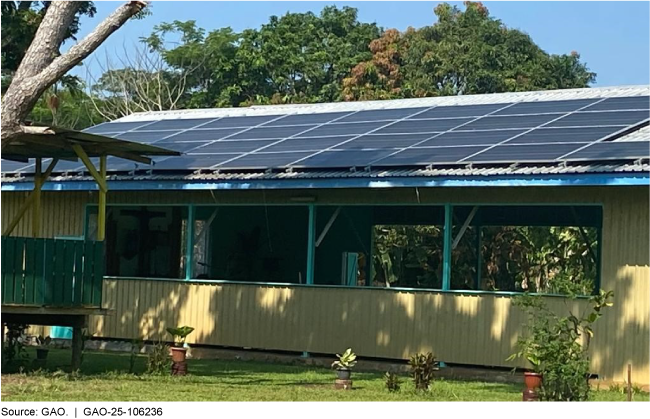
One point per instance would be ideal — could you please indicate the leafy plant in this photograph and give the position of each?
(345, 361)
(422, 369)
(180, 334)
(14, 349)
(159, 361)
(553, 345)
(43, 341)
(393, 383)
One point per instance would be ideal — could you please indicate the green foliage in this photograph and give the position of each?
(180, 334)
(159, 361)
(422, 368)
(20, 20)
(43, 341)
(557, 346)
(393, 383)
(13, 352)
(345, 361)
(464, 52)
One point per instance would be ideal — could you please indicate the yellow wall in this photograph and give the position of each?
(383, 323)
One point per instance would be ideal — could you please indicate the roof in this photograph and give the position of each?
(53, 142)
(596, 172)
(465, 100)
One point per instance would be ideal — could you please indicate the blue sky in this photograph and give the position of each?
(612, 37)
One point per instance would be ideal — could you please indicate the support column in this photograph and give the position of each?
(479, 256)
(446, 261)
(189, 246)
(78, 342)
(36, 205)
(101, 211)
(311, 244)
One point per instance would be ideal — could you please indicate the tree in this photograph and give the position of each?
(42, 66)
(464, 52)
(296, 58)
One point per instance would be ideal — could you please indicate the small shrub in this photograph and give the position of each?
(422, 369)
(553, 345)
(159, 361)
(346, 361)
(14, 348)
(393, 383)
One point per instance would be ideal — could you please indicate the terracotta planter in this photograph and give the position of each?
(178, 354)
(533, 382)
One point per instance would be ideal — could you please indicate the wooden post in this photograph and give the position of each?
(629, 382)
(77, 347)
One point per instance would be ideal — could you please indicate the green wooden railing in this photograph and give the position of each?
(52, 272)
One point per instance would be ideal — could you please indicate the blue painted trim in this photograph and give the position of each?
(189, 246)
(311, 244)
(446, 259)
(599, 179)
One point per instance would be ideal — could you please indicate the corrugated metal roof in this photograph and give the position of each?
(486, 171)
(538, 96)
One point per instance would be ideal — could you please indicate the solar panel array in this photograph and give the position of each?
(523, 132)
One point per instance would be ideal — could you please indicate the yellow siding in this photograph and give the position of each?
(383, 323)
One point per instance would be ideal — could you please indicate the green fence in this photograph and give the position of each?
(52, 272)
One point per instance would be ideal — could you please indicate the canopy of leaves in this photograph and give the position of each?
(20, 20)
(464, 52)
(296, 58)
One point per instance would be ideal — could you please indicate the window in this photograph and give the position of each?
(143, 241)
(544, 249)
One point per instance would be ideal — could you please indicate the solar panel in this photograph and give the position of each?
(612, 151)
(116, 127)
(556, 106)
(564, 135)
(240, 121)
(622, 103)
(227, 146)
(461, 111)
(264, 160)
(176, 124)
(390, 141)
(382, 115)
(307, 119)
(426, 156)
(412, 136)
(357, 158)
(413, 126)
(521, 153)
(586, 119)
(306, 144)
(456, 138)
(505, 122)
(145, 136)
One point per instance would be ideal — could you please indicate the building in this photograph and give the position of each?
(313, 228)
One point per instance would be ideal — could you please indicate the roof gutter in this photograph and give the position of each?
(599, 179)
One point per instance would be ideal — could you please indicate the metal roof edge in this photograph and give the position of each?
(594, 179)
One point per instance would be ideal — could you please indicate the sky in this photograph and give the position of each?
(611, 37)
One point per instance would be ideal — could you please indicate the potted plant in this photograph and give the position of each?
(345, 364)
(42, 349)
(179, 351)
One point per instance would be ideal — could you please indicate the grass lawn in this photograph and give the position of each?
(105, 377)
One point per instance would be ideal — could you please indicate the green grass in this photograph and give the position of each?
(105, 377)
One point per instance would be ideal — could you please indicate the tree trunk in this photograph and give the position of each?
(41, 68)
